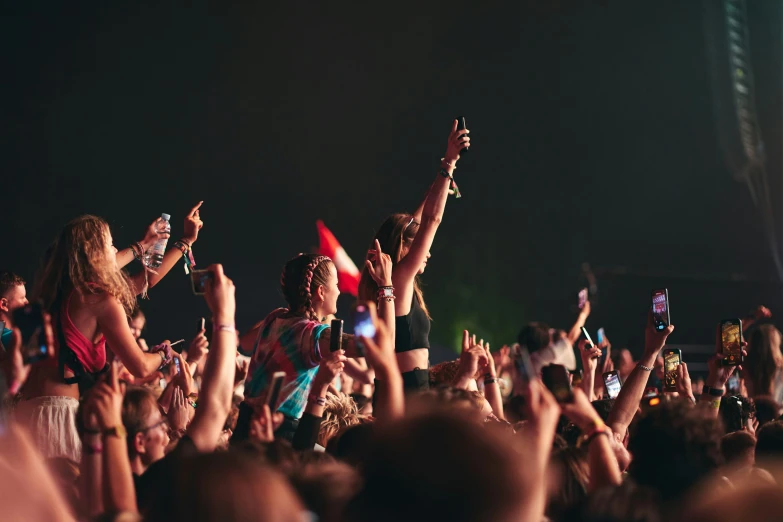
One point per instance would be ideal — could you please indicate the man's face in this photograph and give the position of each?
(13, 299)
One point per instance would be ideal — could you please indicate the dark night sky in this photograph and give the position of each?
(593, 129)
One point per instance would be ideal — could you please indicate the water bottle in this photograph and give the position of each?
(154, 256)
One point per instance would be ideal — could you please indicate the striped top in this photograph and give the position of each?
(285, 343)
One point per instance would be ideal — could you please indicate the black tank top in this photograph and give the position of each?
(413, 330)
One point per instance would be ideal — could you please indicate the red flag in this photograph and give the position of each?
(347, 273)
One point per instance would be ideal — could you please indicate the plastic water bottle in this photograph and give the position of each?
(154, 256)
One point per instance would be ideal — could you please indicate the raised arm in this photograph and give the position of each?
(590, 355)
(627, 402)
(717, 376)
(124, 257)
(389, 392)
(576, 329)
(114, 325)
(379, 265)
(217, 384)
(431, 216)
(306, 433)
(193, 224)
(760, 313)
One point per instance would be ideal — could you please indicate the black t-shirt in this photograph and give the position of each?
(159, 476)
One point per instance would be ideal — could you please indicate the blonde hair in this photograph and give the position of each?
(340, 412)
(79, 260)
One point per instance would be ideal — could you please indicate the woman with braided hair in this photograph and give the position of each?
(293, 340)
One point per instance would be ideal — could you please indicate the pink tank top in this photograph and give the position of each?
(91, 355)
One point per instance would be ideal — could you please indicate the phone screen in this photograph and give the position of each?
(612, 383)
(582, 298)
(731, 341)
(660, 308)
(336, 335)
(176, 363)
(524, 365)
(587, 336)
(733, 385)
(671, 360)
(600, 336)
(30, 322)
(198, 280)
(555, 377)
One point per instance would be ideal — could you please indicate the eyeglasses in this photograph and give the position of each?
(163, 422)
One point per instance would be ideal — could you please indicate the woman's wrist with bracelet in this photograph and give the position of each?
(386, 293)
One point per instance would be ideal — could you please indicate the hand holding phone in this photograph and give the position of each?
(273, 393)
(660, 309)
(612, 384)
(556, 378)
(198, 281)
(582, 298)
(671, 360)
(461, 125)
(731, 341)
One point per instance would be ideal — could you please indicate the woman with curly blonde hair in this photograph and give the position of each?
(83, 287)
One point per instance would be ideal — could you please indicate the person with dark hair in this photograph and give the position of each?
(769, 442)
(767, 410)
(737, 449)
(674, 446)
(408, 239)
(13, 295)
(737, 412)
(763, 367)
(326, 488)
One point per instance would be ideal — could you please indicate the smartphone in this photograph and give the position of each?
(524, 365)
(671, 360)
(582, 298)
(176, 363)
(362, 326)
(198, 280)
(462, 126)
(587, 336)
(200, 325)
(336, 335)
(601, 336)
(612, 384)
(162, 383)
(273, 395)
(555, 377)
(660, 309)
(29, 319)
(733, 385)
(731, 341)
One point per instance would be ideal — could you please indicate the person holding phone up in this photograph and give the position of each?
(89, 297)
(408, 239)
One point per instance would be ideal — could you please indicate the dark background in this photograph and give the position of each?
(593, 129)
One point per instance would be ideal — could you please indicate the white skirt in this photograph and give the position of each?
(51, 421)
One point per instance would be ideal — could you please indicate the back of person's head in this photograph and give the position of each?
(736, 412)
(534, 337)
(625, 503)
(353, 443)
(395, 236)
(223, 486)
(569, 474)
(300, 279)
(737, 448)
(440, 467)
(674, 446)
(326, 488)
(603, 408)
(139, 409)
(12, 292)
(278, 454)
(756, 501)
(767, 409)
(769, 442)
(82, 258)
(340, 412)
(447, 398)
(763, 361)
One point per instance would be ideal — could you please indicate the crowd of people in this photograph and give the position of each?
(100, 424)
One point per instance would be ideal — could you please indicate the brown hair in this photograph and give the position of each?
(764, 359)
(9, 280)
(137, 407)
(301, 275)
(395, 236)
(78, 259)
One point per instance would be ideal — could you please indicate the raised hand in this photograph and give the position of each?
(184, 380)
(684, 386)
(762, 312)
(106, 400)
(332, 365)
(654, 341)
(263, 426)
(472, 358)
(380, 350)
(193, 224)
(220, 296)
(151, 235)
(458, 140)
(243, 366)
(379, 265)
(179, 413)
(581, 412)
(198, 347)
(590, 355)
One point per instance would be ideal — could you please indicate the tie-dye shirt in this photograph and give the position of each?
(285, 343)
